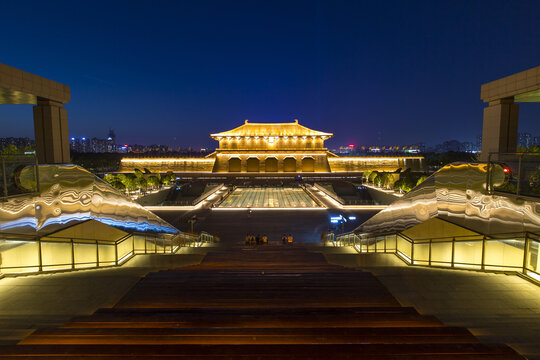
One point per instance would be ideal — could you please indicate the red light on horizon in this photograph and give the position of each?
(351, 145)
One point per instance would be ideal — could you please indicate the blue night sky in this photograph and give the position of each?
(172, 72)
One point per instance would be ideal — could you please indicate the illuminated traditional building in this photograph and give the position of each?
(272, 148)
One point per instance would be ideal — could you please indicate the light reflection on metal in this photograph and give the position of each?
(69, 195)
(457, 193)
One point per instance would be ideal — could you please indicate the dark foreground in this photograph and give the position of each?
(264, 302)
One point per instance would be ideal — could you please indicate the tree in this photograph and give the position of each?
(372, 176)
(138, 173)
(141, 183)
(130, 182)
(421, 179)
(153, 181)
(366, 174)
(110, 178)
(168, 178)
(10, 150)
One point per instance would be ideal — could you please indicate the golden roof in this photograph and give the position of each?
(271, 129)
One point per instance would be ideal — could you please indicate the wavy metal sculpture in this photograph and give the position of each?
(457, 193)
(70, 194)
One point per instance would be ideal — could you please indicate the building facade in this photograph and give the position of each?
(272, 148)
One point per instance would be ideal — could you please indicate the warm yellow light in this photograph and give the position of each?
(164, 160)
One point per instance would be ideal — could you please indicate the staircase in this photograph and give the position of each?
(264, 302)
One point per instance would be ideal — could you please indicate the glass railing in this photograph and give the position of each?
(18, 175)
(521, 173)
(21, 254)
(514, 252)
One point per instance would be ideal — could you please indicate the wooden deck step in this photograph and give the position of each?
(282, 351)
(355, 335)
(256, 303)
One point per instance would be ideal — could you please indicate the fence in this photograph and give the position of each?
(516, 252)
(522, 173)
(21, 254)
(18, 175)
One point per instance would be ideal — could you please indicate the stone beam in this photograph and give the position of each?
(500, 127)
(21, 87)
(50, 118)
(521, 83)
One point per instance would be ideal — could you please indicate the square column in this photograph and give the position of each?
(500, 129)
(51, 132)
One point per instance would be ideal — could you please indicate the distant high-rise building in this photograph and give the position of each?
(94, 145)
(524, 139)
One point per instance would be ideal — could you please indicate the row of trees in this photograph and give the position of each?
(12, 149)
(139, 181)
(402, 181)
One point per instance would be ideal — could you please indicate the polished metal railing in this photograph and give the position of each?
(23, 254)
(512, 252)
(18, 175)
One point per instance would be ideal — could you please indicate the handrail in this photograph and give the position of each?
(514, 252)
(25, 254)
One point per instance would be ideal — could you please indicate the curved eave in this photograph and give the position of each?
(300, 131)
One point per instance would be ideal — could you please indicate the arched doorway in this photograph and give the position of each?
(271, 165)
(308, 164)
(253, 165)
(289, 164)
(235, 165)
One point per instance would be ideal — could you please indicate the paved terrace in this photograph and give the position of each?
(274, 197)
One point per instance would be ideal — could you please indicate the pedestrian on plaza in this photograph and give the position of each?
(252, 239)
(289, 239)
(265, 239)
(247, 239)
(284, 238)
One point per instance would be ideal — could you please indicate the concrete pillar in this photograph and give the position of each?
(51, 132)
(500, 130)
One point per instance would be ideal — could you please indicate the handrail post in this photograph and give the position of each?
(519, 174)
(525, 252)
(488, 176)
(412, 251)
(37, 174)
(72, 254)
(453, 249)
(116, 253)
(429, 256)
(483, 264)
(97, 253)
(155, 245)
(4, 177)
(145, 251)
(40, 256)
